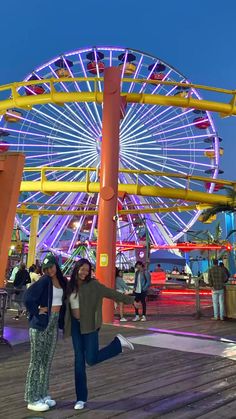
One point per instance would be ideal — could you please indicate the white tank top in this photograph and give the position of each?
(74, 300)
(57, 294)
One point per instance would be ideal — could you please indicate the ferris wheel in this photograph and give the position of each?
(155, 138)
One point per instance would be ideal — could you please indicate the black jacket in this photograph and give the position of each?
(40, 294)
(22, 278)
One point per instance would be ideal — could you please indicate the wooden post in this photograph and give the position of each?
(33, 239)
(11, 168)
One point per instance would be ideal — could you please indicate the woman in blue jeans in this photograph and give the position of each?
(83, 320)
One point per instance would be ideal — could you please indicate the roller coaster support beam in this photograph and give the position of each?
(132, 189)
(33, 239)
(106, 244)
(11, 169)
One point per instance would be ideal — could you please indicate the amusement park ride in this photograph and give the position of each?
(111, 137)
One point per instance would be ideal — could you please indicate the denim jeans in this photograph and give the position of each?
(86, 349)
(218, 300)
(142, 298)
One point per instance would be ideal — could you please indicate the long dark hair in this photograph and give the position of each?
(73, 283)
(61, 279)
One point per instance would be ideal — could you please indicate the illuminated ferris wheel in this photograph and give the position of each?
(155, 138)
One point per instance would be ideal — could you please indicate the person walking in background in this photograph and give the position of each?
(142, 282)
(22, 279)
(83, 321)
(123, 288)
(217, 278)
(45, 303)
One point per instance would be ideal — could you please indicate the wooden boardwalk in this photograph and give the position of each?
(150, 382)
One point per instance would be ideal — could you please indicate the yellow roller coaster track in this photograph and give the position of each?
(18, 100)
(202, 199)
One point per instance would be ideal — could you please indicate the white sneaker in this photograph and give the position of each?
(49, 401)
(38, 406)
(143, 319)
(79, 405)
(136, 319)
(125, 343)
(123, 319)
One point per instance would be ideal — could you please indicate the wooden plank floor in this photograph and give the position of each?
(147, 383)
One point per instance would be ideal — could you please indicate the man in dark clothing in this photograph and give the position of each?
(142, 282)
(217, 278)
(21, 280)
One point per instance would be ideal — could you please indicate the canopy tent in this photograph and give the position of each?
(167, 259)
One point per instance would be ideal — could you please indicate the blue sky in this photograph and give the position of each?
(197, 38)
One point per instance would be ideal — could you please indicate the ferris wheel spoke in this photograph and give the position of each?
(76, 106)
(140, 91)
(97, 70)
(98, 121)
(143, 112)
(170, 159)
(154, 126)
(55, 109)
(88, 116)
(84, 134)
(145, 161)
(141, 122)
(37, 126)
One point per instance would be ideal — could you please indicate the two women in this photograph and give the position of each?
(45, 303)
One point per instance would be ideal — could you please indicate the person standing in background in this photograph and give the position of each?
(142, 282)
(22, 279)
(217, 278)
(123, 288)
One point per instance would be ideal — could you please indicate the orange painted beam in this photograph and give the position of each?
(12, 165)
(106, 244)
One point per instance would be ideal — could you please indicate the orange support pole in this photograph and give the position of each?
(11, 168)
(106, 244)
